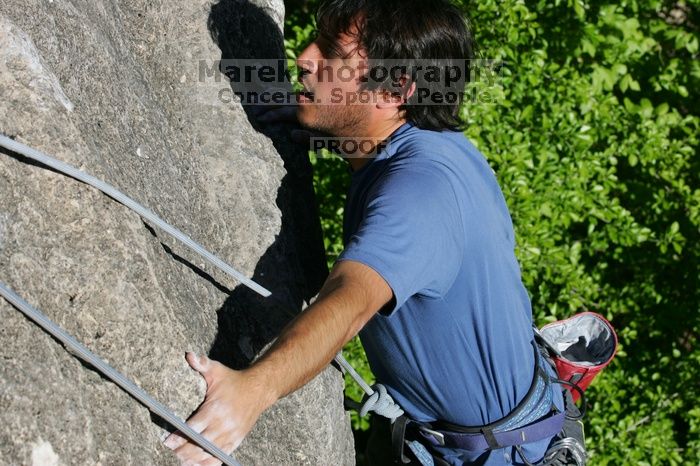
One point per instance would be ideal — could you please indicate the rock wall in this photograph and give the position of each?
(115, 87)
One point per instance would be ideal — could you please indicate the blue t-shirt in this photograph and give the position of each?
(428, 215)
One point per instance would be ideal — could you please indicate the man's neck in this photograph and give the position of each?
(378, 133)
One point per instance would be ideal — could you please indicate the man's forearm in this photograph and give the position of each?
(311, 340)
(235, 399)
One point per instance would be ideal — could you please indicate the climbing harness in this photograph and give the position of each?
(101, 366)
(499, 434)
(80, 351)
(577, 349)
(568, 446)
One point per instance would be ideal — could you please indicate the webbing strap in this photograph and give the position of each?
(491, 440)
(488, 439)
(74, 347)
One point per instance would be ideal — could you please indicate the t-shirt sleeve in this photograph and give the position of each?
(411, 233)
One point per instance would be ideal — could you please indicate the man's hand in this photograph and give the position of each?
(233, 402)
(287, 114)
(351, 296)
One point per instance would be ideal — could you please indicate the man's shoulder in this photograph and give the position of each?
(435, 164)
(447, 154)
(428, 140)
(437, 148)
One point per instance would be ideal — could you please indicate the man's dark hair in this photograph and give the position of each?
(412, 32)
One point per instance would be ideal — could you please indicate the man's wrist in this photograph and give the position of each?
(262, 383)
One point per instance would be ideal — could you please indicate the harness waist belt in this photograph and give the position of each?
(498, 434)
(487, 439)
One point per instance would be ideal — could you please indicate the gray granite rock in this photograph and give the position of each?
(113, 87)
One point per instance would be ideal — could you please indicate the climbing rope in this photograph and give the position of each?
(112, 192)
(80, 351)
(380, 402)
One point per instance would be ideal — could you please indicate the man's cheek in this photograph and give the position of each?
(337, 96)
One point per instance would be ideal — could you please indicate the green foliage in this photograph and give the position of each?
(591, 130)
(595, 145)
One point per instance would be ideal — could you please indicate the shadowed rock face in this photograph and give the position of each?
(114, 87)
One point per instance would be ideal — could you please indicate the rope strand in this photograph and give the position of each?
(123, 199)
(74, 347)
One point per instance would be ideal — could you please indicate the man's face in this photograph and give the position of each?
(331, 76)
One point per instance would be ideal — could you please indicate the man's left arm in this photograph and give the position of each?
(352, 294)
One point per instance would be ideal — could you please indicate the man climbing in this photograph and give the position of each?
(428, 276)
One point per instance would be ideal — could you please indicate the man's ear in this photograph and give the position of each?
(410, 91)
(396, 99)
(388, 99)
